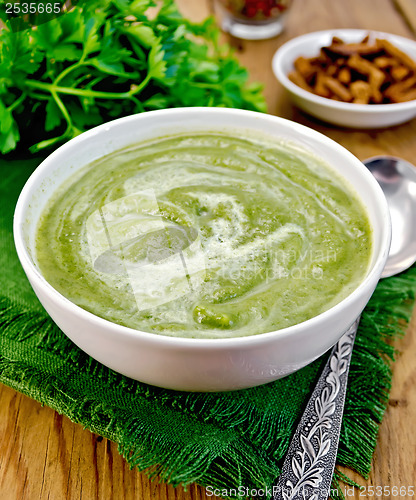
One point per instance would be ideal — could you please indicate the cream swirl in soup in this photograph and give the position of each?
(206, 236)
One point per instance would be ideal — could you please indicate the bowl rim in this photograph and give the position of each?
(186, 342)
(281, 54)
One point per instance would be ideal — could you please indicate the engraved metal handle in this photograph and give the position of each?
(310, 461)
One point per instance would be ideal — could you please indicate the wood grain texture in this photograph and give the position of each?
(45, 456)
(408, 11)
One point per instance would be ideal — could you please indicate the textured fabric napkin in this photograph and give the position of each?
(222, 440)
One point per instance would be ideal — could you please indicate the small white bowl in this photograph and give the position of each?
(341, 113)
(197, 364)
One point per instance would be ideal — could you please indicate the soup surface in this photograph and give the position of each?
(205, 236)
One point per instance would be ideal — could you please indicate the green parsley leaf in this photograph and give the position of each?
(157, 65)
(9, 132)
(53, 116)
(110, 58)
(67, 52)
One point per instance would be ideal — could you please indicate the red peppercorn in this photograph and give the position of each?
(258, 9)
(251, 11)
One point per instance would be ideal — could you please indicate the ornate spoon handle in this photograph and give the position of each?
(310, 461)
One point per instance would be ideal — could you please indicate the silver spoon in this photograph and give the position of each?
(310, 461)
(397, 178)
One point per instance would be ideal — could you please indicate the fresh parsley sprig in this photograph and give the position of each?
(111, 58)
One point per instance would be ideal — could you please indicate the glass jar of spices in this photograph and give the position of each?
(252, 19)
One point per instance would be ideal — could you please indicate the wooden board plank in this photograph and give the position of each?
(408, 10)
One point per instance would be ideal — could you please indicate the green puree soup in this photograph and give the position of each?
(205, 236)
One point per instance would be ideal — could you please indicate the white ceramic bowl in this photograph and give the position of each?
(341, 113)
(197, 364)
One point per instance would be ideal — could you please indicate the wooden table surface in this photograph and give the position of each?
(45, 456)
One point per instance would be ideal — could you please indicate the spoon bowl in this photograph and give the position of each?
(397, 179)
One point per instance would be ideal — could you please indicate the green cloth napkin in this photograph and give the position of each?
(221, 440)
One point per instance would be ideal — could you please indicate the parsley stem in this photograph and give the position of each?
(63, 109)
(17, 102)
(68, 70)
(52, 88)
(138, 104)
(206, 85)
(40, 97)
